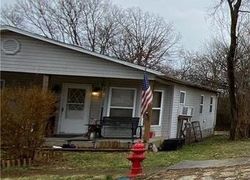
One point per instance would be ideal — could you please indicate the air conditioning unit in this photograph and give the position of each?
(186, 111)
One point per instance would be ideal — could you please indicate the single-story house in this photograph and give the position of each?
(90, 85)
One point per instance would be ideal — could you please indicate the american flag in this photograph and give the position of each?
(147, 96)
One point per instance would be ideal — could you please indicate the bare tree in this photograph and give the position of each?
(11, 16)
(100, 26)
(67, 16)
(225, 64)
(207, 68)
(131, 35)
(144, 38)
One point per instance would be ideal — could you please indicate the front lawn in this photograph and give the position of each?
(102, 165)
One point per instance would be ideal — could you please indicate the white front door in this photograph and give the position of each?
(75, 105)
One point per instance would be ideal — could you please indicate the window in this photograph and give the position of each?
(182, 97)
(201, 103)
(121, 102)
(157, 107)
(75, 103)
(2, 83)
(211, 104)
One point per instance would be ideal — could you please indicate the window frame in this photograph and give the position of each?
(211, 104)
(184, 97)
(159, 108)
(121, 107)
(201, 104)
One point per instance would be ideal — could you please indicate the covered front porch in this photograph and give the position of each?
(82, 101)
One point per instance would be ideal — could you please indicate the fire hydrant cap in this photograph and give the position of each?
(138, 145)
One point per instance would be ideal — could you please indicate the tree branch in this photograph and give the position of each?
(244, 11)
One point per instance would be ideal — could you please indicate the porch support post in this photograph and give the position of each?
(148, 120)
(45, 82)
(147, 124)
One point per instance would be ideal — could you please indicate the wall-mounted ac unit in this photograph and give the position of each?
(186, 111)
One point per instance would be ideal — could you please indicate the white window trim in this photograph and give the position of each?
(184, 97)
(201, 104)
(118, 107)
(211, 104)
(159, 108)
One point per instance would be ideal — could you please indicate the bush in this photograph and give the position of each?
(24, 115)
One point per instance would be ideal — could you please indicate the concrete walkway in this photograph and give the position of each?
(228, 169)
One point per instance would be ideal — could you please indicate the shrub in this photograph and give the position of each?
(24, 114)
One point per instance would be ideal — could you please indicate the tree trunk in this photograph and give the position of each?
(234, 10)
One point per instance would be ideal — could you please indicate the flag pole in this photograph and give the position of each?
(147, 118)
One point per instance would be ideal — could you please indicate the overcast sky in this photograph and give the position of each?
(190, 17)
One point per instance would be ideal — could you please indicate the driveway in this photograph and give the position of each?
(228, 169)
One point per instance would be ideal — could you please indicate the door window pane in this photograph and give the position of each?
(74, 111)
(76, 107)
(75, 103)
(76, 95)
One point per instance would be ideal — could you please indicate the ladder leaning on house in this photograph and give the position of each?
(197, 130)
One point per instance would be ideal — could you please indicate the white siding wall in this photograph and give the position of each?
(40, 57)
(193, 97)
(118, 132)
(163, 129)
(175, 110)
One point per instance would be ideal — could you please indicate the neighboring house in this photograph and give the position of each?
(90, 86)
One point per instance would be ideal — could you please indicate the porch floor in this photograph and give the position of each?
(98, 143)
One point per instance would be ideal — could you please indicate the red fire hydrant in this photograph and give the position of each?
(136, 157)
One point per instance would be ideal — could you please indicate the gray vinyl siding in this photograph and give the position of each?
(36, 56)
(167, 112)
(118, 132)
(162, 130)
(175, 110)
(193, 97)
